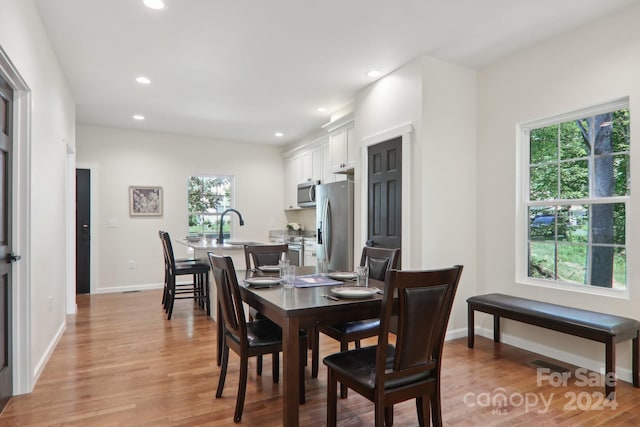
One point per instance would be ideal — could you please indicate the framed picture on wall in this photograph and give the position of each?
(145, 201)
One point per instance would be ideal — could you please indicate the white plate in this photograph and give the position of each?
(353, 292)
(342, 275)
(270, 268)
(263, 282)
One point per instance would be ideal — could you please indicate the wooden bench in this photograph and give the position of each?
(604, 328)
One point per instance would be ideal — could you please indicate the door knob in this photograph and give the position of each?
(13, 258)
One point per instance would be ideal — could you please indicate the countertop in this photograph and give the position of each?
(210, 244)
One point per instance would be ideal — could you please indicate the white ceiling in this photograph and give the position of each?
(244, 69)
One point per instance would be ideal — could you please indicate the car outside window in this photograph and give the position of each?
(576, 197)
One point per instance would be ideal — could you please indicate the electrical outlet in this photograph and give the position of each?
(50, 303)
(132, 265)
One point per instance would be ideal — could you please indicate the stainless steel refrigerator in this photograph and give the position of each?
(334, 222)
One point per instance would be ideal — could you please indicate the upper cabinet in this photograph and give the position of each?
(327, 175)
(327, 159)
(292, 177)
(311, 164)
(343, 148)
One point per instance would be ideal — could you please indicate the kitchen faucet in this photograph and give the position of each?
(220, 239)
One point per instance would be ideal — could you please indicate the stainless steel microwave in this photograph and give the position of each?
(307, 194)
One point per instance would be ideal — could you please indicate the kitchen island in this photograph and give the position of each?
(233, 249)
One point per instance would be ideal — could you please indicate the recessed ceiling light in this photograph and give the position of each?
(155, 4)
(143, 80)
(374, 73)
(138, 117)
(279, 134)
(321, 109)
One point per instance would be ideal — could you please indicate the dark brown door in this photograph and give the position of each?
(6, 371)
(385, 194)
(83, 228)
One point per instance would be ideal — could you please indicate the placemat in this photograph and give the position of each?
(314, 280)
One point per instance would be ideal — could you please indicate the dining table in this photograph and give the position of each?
(305, 306)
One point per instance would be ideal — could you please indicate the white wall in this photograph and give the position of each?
(447, 173)
(120, 158)
(23, 39)
(390, 103)
(438, 100)
(586, 67)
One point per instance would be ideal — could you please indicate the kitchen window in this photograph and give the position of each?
(576, 193)
(208, 197)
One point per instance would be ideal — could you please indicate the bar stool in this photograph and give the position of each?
(198, 290)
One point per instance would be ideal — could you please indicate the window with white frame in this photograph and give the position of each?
(207, 198)
(576, 197)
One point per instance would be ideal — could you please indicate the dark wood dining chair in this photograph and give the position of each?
(247, 339)
(197, 290)
(258, 256)
(379, 261)
(387, 374)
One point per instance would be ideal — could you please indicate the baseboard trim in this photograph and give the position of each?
(564, 356)
(47, 354)
(128, 288)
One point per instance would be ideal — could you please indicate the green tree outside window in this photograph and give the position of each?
(577, 197)
(207, 198)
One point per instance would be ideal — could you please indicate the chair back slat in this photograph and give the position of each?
(379, 260)
(425, 300)
(168, 251)
(259, 255)
(229, 297)
(420, 312)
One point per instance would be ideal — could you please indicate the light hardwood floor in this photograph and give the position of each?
(121, 363)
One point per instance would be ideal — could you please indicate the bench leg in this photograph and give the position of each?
(471, 332)
(610, 370)
(635, 351)
(496, 328)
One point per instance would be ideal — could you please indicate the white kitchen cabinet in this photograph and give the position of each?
(326, 176)
(343, 151)
(292, 177)
(310, 258)
(311, 164)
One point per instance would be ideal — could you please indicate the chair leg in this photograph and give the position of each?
(303, 357)
(196, 290)
(259, 365)
(388, 416)
(423, 408)
(164, 291)
(344, 391)
(242, 388)
(332, 399)
(314, 339)
(436, 408)
(223, 371)
(379, 414)
(357, 344)
(275, 366)
(171, 298)
(207, 293)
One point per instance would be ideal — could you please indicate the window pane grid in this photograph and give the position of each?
(577, 192)
(207, 198)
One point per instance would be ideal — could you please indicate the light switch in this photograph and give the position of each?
(112, 223)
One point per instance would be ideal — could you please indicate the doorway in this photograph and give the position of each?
(83, 231)
(6, 257)
(384, 194)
